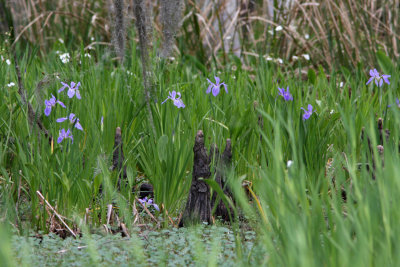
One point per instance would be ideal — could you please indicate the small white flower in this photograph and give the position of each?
(306, 56)
(295, 57)
(129, 73)
(307, 36)
(268, 58)
(289, 163)
(11, 84)
(318, 102)
(8, 62)
(271, 32)
(278, 28)
(2, 58)
(58, 52)
(228, 37)
(332, 111)
(341, 84)
(92, 38)
(65, 58)
(87, 55)
(279, 60)
(61, 40)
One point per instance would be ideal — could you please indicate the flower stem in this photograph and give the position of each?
(212, 108)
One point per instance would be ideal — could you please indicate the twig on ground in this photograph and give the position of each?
(55, 212)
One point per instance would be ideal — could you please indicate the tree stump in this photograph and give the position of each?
(198, 205)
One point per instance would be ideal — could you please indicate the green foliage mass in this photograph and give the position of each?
(297, 212)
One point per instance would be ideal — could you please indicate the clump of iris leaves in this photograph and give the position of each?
(296, 143)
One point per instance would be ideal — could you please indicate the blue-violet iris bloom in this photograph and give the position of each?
(73, 89)
(215, 87)
(64, 134)
(149, 202)
(307, 113)
(176, 98)
(285, 94)
(72, 120)
(378, 78)
(51, 103)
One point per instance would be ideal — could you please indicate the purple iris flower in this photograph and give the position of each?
(397, 103)
(286, 95)
(72, 119)
(64, 134)
(149, 202)
(215, 87)
(307, 113)
(73, 89)
(176, 98)
(51, 103)
(378, 78)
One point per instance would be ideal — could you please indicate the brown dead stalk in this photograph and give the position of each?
(55, 213)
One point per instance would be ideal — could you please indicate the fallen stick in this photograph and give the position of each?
(55, 212)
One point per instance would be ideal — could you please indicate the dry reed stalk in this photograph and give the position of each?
(55, 212)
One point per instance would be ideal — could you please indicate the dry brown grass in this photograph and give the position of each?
(341, 32)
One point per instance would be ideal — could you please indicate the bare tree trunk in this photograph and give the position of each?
(171, 13)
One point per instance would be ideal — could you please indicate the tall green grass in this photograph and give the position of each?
(297, 211)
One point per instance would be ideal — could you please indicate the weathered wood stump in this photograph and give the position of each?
(198, 205)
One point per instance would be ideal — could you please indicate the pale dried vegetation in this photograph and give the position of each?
(333, 32)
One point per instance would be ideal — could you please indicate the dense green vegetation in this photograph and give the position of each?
(315, 141)
(299, 215)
